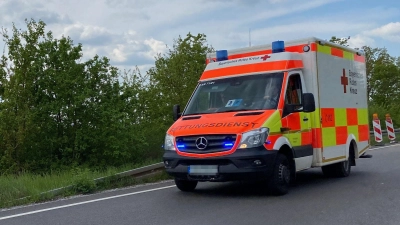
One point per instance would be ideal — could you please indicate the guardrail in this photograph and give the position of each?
(137, 173)
(385, 131)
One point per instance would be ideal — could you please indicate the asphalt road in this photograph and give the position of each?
(370, 195)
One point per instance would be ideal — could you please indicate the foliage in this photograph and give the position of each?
(172, 81)
(83, 183)
(340, 41)
(56, 111)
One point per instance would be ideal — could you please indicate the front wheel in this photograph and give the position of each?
(186, 185)
(281, 177)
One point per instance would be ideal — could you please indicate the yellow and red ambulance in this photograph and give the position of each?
(266, 112)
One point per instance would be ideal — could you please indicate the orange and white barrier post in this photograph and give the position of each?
(390, 128)
(377, 128)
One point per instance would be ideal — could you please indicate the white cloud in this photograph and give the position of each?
(93, 35)
(118, 54)
(155, 47)
(390, 31)
(293, 7)
(359, 40)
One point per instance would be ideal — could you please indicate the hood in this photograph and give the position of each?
(219, 123)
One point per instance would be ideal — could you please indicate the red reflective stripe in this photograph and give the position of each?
(248, 54)
(352, 117)
(337, 52)
(377, 130)
(293, 121)
(306, 137)
(363, 132)
(313, 47)
(328, 117)
(252, 68)
(317, 138)
(390, 129)
(271, 140)
(341, 135)
(359, 58)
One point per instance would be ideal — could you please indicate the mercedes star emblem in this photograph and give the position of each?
(201, 143)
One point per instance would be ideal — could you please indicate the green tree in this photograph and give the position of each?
(340, 41)
(382, 76)
(172, 81)
(57, 111)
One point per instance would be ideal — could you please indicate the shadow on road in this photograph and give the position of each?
(311, 179)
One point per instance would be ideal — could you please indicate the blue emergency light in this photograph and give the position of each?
(222, 55)
(278, 46)
(228, 144)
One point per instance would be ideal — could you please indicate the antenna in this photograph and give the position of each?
(249, 38)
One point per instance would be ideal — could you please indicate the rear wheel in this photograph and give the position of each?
(186, 185)
(281, 177)
(341, 169)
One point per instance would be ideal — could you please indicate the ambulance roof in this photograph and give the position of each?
(282, 61)
(295, 42)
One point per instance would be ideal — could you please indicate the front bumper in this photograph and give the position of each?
(240, 165)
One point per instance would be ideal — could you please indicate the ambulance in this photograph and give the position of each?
(267, 112)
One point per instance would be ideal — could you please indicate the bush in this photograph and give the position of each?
(83, 183)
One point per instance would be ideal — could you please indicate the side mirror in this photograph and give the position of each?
(176, 110)
(308, 102)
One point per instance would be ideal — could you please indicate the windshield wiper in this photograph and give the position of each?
(237, 110)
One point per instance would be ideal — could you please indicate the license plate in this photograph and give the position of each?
(203, 169)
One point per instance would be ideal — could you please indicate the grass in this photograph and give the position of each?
(28, 188)
(385, 140)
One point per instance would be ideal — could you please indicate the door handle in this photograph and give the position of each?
(305, 119)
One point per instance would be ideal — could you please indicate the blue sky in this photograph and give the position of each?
(132, 32)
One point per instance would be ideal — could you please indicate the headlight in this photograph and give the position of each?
(254, 138)
(169, 143)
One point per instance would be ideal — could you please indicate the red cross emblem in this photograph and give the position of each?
(265, 57)
(344, 81)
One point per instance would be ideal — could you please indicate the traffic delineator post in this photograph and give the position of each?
(390, 129)
(377, 129)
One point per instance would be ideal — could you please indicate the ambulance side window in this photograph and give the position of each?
(294, 94)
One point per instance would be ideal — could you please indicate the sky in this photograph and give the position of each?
(132, 32)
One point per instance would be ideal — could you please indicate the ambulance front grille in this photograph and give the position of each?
(202, 144)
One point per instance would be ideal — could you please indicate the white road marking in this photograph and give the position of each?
(81, 203)
(386, 146)
(117, 196)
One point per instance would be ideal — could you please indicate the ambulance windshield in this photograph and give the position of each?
(252, 92)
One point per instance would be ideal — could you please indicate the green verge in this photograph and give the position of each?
(385, 140)
(31, 188)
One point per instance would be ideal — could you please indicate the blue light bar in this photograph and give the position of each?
(228, 144)
(278, 46)
(180, 146)
(222, 55)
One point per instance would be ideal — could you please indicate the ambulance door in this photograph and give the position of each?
(297, 124)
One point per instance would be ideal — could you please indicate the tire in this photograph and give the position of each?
(281, 176)
(341, 169)
(186, 185)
